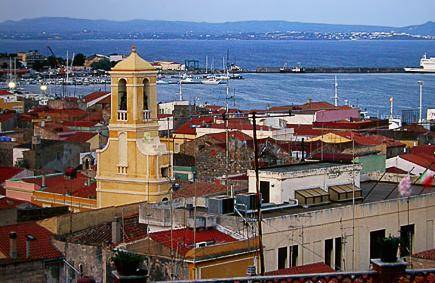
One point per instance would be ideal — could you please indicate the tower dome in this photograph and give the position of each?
(133, 63)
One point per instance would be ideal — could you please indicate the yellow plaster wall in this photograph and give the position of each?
(142, 180)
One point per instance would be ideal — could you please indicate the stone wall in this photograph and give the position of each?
(30, 272)
(91, 259)
(8, 216)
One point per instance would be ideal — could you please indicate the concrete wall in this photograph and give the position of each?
(310, 230)
(8, 216)
(284, 185)
(406, 165)
(60, 225)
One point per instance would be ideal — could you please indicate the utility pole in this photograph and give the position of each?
(420, 108)
(257, 187)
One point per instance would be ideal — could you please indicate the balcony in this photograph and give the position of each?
(122, 115)
(147, 115)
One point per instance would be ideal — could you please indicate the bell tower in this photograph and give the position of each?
(134, 166)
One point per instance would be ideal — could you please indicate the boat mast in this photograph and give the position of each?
(336, 92)
(206, 64)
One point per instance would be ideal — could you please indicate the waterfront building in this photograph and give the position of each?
(134, 166)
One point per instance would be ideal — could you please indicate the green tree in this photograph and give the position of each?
(103, 64)
(79, 59)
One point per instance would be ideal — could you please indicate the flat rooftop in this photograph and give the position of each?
(301, 167)
(381, 191)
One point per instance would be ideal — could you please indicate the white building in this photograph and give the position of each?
(284, 184)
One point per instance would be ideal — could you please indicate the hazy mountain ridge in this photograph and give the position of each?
(67, 26)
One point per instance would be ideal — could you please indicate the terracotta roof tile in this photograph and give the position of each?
(182, 239)
(60, 184)
(5, 92)
(94, 95)
(40, 248)
(201, 188)
(80, 137)
(8, 172)
(102, 234)
(429, 254)
(423, 160)
(6, 202)
(313, 268)
(6, 116)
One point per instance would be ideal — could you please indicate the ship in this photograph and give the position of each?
(427, 65)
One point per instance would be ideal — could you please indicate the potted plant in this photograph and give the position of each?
(388, 249)
(126, 263)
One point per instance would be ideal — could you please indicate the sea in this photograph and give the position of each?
(370, 92)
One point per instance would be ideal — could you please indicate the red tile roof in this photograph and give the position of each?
(8, 172)
(40, 248)
(182, 239)
(94, 95)
(60, 184)
(80, 137)
(231, 135)
(424, 149)
(370, 140)
(313, 268)
(395, 170)
(305, 130)
(6, 116)
(85, 124)
(7, 202)
(429, 255)
(5, 92)
(102, 234)
(189, 189)
(352, 125)
(423, 160)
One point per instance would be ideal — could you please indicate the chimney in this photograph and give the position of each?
(29, 238)
(13, 245)
(43, 185)
(36, 140)
(116, 230)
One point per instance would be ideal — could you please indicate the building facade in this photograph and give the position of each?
(134, 166)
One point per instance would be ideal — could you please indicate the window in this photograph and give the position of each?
(164, 172)
(265, 191)
(122, 94)
(406, 239)
(329, 246)
(375, 240)
(338, 252)
(294, 253)
(282, 257)
(145, 94)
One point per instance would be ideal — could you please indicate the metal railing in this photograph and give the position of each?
(122, 115)
(147, 115)
(336, 277)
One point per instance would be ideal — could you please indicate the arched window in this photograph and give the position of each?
(145, 94)
(122, 94)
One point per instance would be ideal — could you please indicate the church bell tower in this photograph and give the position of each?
(134, 166)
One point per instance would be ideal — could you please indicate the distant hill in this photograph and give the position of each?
(69, 26)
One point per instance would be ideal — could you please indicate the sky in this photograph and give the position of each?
(367, 12)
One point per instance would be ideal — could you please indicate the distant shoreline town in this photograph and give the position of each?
(82, 29)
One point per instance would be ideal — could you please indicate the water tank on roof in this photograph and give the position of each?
(246, 202)
(220, 205)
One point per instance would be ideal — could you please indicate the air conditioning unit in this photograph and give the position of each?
(197, 223)
(220, 205)
(246, 202)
